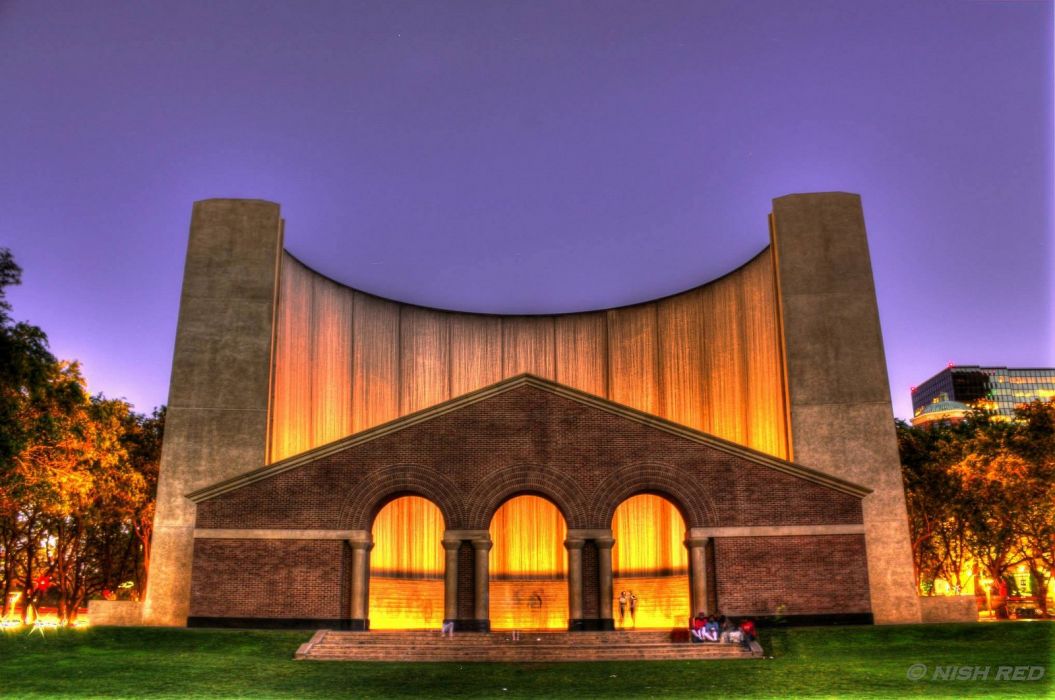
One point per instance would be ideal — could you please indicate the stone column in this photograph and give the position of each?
(698, 574)
(450, 579)
(360, 583)
(604, 566)
(574, 547)
(482, 579)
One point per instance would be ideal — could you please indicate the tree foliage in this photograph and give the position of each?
(78, 475)
(982, 491)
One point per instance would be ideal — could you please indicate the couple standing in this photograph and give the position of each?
(627, 599)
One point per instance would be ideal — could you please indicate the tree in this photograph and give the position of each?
(1034, 442)
(25, 366)
(127, 503)
(983, 490)
(37, 396)
(78, 475)
(145, 456)
(936, 502)
(992, 474)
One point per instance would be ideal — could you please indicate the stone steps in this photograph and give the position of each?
(328, 645)
(489, 639)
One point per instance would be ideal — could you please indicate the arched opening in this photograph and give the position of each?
(528, 567)
(649, 562)
(406, 566)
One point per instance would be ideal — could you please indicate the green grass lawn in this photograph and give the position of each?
(808, 662)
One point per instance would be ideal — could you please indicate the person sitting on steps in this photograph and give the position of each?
(710, 630)
(729, 630)
(747, 631)
(696, 628)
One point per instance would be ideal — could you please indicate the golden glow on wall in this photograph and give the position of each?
(649, 537)
(407, 534)
(649, 558)
(663, 602)
(528, 561)
(528, 534)
(708, 358)
(406, 566)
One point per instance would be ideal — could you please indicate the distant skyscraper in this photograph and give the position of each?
(998, 389)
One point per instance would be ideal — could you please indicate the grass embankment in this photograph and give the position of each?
(809, 662)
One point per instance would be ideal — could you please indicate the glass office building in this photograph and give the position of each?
(998, 389)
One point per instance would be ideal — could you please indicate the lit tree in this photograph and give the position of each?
(77, 475)
(992, 474)
(143, 437)
(1034, 441)
(936, 501)
(984, 492)
(37, 394)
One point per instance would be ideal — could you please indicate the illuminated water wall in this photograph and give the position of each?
(708, 358)
(649, 558)
(406, 566)
(528, 586)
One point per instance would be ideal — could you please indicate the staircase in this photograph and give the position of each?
(549, 646)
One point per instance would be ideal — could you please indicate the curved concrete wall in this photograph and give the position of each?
(708, 358)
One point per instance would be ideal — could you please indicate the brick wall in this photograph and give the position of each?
(466, 601)
(469, 461)
(268, 578)
(586, 460)
(590, 580)
(808, 575)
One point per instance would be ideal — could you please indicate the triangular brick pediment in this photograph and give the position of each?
(548, 391)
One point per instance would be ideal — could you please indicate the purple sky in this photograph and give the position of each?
(529, 157)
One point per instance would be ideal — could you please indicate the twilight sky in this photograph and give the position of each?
(529, 156)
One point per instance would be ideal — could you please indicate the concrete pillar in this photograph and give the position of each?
(574, 547)
(698, 573)
(838, 393)
(360, 583)
(604, 566)
(216, 426)
(482, 579)
(450, 579)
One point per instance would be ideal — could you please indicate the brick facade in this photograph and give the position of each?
(590, 598)
(528, 439)
(465, 581)
(794, 575)
(268, 579)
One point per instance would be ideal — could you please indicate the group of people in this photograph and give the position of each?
(719, 628)
(627, 599)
